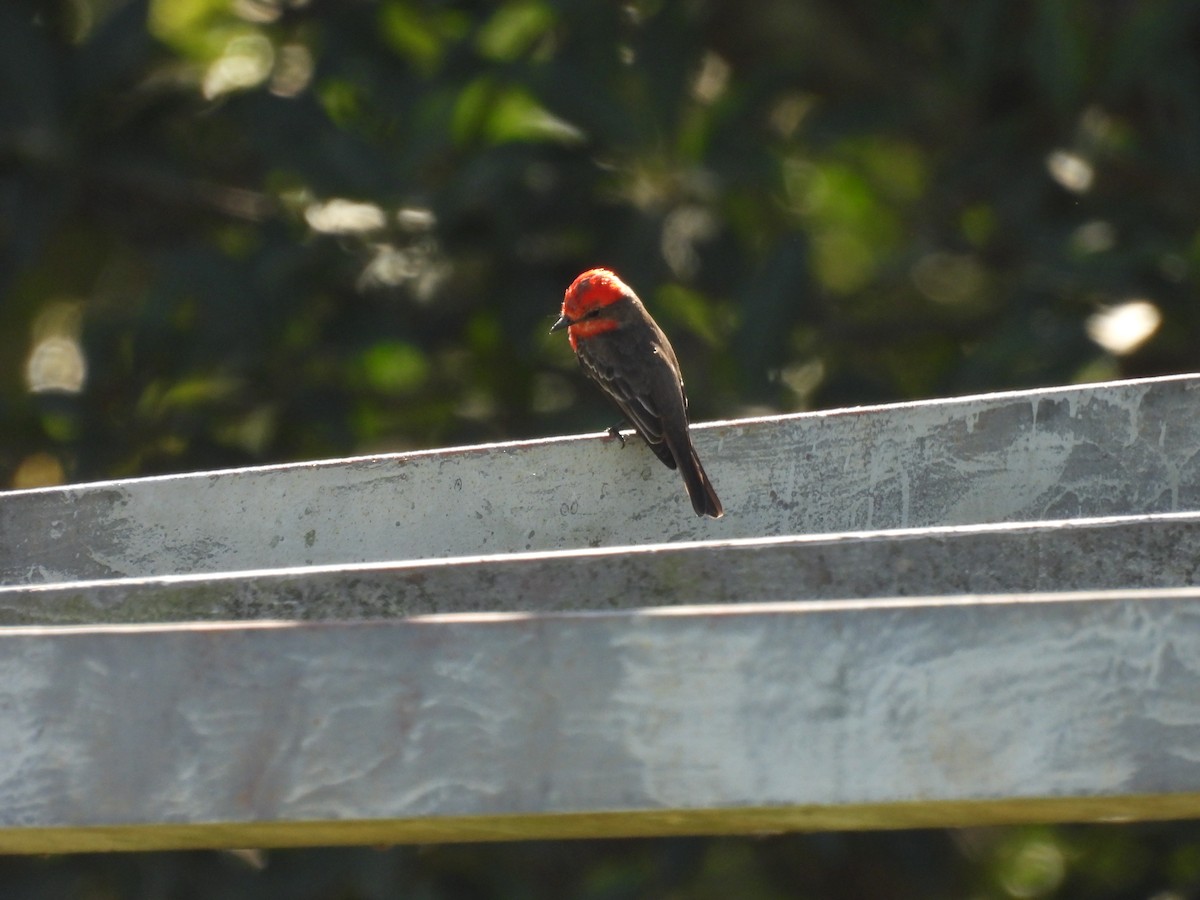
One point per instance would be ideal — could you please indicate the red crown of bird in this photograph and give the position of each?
(586, 298)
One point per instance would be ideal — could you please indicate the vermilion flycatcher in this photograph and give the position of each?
(622, 348)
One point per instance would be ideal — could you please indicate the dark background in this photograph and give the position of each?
(260, 231)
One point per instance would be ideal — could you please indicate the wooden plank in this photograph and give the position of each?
(1115, 449)
(1122, 552)
(866, 714)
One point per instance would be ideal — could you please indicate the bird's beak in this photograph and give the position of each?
(562, 323)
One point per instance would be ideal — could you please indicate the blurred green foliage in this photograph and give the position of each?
(283, 230)
(238, 231)
(1098, 862)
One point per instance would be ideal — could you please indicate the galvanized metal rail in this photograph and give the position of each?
(968, 611)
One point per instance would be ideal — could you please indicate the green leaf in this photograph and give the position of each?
(517, 116)
(501, 114)
(199, 29)
(420, 36)
(514, 29)
(394, 367)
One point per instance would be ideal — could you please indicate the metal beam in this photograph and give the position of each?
(1129, 552)
(1123, 448)
(885, 713)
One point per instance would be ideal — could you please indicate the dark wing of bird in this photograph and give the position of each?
(636, 402)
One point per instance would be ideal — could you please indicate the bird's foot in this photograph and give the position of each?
(615, 432)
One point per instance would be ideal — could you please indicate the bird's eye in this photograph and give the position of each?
(592, 313)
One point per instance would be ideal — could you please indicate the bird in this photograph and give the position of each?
(620, 346)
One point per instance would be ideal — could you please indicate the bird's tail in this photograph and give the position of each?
(704, 498)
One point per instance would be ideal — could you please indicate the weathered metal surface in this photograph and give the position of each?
(1113, 449)
(812, 715)
(1134, 552)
